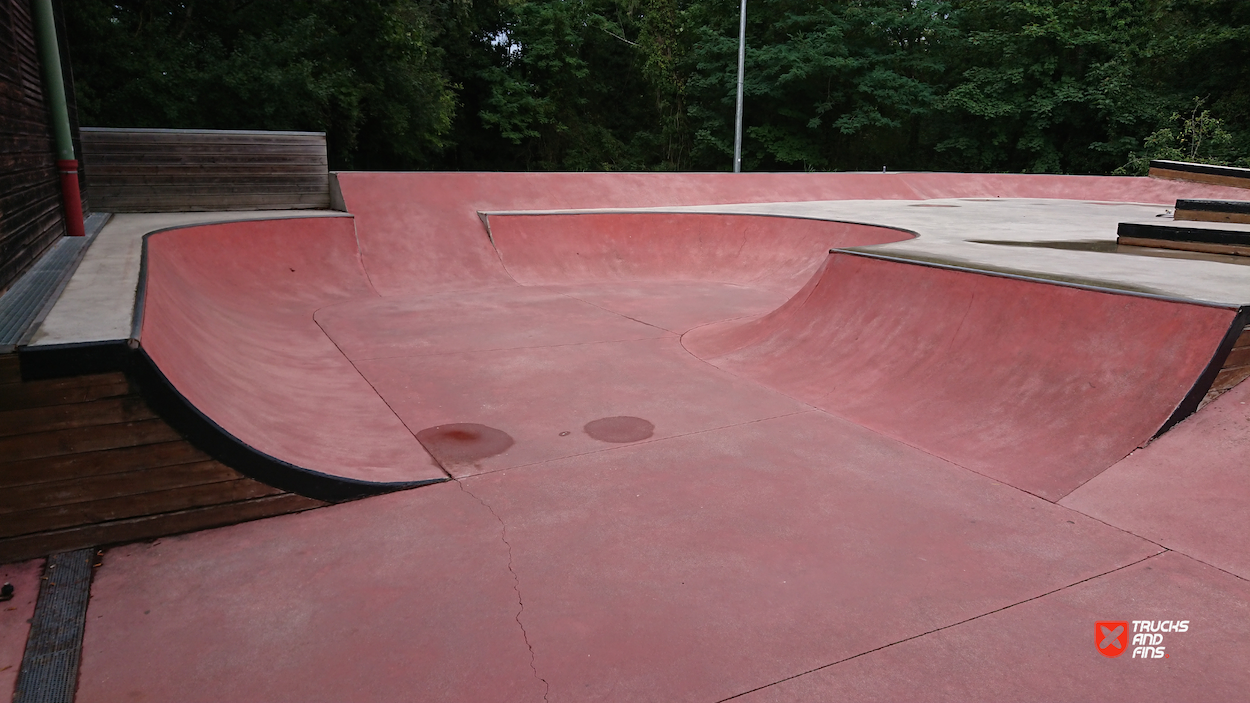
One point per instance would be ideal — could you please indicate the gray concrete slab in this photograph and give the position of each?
(98, 303)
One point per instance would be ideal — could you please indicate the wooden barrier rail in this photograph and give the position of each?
(182, 170)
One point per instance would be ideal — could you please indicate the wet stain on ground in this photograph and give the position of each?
(464, 442)
(620, 430)
(1106, 246)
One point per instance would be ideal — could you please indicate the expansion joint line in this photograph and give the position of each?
(516, 584)
(1053, 591)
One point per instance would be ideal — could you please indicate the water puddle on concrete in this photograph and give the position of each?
(1109, 247)
(620, 430)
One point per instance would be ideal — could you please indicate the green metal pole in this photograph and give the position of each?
(58, 112)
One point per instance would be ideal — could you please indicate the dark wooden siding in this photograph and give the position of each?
(85, 462)
(171, 170)
(31, 218)
(1236, 369)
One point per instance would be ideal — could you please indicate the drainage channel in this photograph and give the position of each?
(49, 672)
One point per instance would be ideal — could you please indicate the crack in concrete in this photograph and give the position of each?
(516, 585)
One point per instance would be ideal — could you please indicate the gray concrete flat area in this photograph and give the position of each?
(98, 304)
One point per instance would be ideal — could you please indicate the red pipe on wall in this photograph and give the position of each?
(73, 199)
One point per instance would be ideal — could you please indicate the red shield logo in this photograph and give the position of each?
(1111, 638)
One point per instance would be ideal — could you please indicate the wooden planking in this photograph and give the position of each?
(1208, 178)
(108, 411)
(193, 170)
(1231, 249)
(147, 527)
(1238, 357)
(153, 502)
(61, 391)
(10, 370)
(1228, 378)
(86, 465)
(85, 439)
(31, 218)
(85, 489)
(1208, 216)
(84, 461)
(1236, 369)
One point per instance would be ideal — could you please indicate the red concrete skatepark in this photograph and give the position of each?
(688, 437)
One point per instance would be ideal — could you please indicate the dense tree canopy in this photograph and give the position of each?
(974, 85)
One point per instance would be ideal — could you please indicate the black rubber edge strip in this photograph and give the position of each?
(61, 361)
(1176, 233)
(1208, 169)
(1232, 206)
(49, 361)
(1207, 378)
(49, 671)
(215, 441)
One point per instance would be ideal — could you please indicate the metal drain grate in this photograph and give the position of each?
(30, 298)
(49, 672)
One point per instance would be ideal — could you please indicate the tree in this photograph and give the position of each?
(368, 73)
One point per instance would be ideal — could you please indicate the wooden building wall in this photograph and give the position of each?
(31, 218)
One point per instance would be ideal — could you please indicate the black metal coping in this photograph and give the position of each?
(1207, 169)
(49, 672)
(1181, 233)
(1239, 207)
(29, 300)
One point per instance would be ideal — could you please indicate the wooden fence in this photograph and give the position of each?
(183, 170)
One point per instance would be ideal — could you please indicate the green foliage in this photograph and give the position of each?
(367, 73)
(1198, 138)
(978, 85)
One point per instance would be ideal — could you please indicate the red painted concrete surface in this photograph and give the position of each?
(15, 618)
(1188, 490)
(770, 252)
(1037, 385)
(228, 318)
(1044, 649)
(859, 473)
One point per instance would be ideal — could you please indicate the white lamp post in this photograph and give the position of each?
(742, 51)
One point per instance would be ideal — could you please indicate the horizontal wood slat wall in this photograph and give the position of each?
(1236, 369)
(85, 462)
(31, 216)
(1215, 179)
(175, 170)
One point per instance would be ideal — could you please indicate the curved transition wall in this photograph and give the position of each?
(757, 250)
(967, 366)
(228, 320)
(1038, 385)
